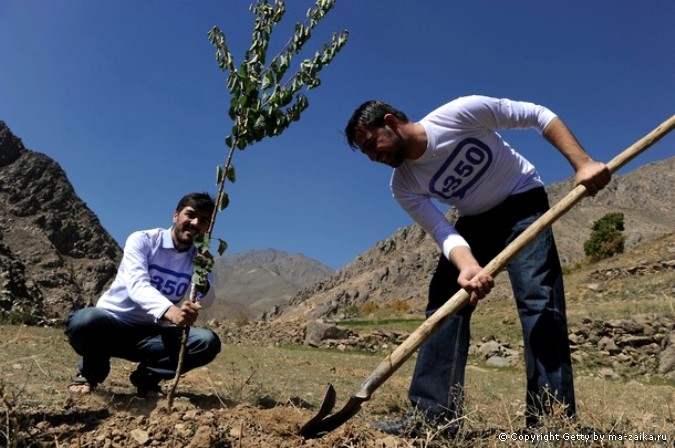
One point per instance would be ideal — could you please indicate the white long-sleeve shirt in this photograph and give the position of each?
(152, 276)
(467, 164)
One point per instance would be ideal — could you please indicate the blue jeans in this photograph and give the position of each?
(97, 336)
(437, 386)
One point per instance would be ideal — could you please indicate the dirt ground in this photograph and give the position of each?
(227, 404)
(114, 417)
(190, 424)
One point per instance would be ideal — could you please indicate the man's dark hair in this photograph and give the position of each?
(199, 201)
(370, 115)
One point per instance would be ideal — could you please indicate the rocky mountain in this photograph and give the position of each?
(396, 271)
(54, 254)
(250, 284)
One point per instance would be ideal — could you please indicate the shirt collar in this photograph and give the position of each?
(167, 240)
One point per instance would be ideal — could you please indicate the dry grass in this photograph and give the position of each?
(258, 396)
(37, 363)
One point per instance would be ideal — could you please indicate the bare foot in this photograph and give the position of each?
(80, 388)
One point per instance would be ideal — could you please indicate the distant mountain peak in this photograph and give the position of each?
(252, 283)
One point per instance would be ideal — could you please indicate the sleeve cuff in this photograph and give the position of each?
(451, 242)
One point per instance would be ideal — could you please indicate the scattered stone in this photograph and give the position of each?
(667, 356)
(317, 332)
(490, 349)
(607, 344)
(140, 436)
(596, 287)
(607, 372)
(499, 361)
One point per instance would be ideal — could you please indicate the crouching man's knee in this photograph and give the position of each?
(204, 346)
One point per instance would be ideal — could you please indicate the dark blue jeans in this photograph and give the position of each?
(97, 336)
(536, 279)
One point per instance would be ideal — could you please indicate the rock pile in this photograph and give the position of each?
(643, 268)
(259, 333)
(644, 344)
(495, 353)
(312, 333)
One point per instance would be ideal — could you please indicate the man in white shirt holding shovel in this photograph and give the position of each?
(456, 156)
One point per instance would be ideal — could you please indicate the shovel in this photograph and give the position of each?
(323, 423)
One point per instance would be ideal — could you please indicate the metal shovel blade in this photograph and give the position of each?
(311, 429)
(320, 425)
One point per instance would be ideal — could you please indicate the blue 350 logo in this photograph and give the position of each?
(168, 282)
(467, 163)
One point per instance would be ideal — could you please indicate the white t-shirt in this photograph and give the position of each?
(152, 276)
(467, 164)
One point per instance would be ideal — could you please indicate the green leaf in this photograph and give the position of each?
(222, 247)
(202, 242)
(202, 262)
(268, 80)
(224, 201)
(219, 174)
(231, 175)
(200, 277)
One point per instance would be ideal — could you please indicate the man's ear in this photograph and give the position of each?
(391, 121)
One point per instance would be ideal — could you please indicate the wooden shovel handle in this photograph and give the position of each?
(393, 361)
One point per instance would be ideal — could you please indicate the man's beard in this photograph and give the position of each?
(398, 156)
(184, 240)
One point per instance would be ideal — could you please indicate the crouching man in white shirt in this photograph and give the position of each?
(140, 317)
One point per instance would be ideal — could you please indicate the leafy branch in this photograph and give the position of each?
(264, 101)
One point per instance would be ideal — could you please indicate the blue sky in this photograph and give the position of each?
(126, 96)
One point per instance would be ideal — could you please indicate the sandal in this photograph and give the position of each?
(80, 386)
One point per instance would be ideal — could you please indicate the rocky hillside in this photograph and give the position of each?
(250, 284)
(54, 254)
(398, 269)
(645, 196)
